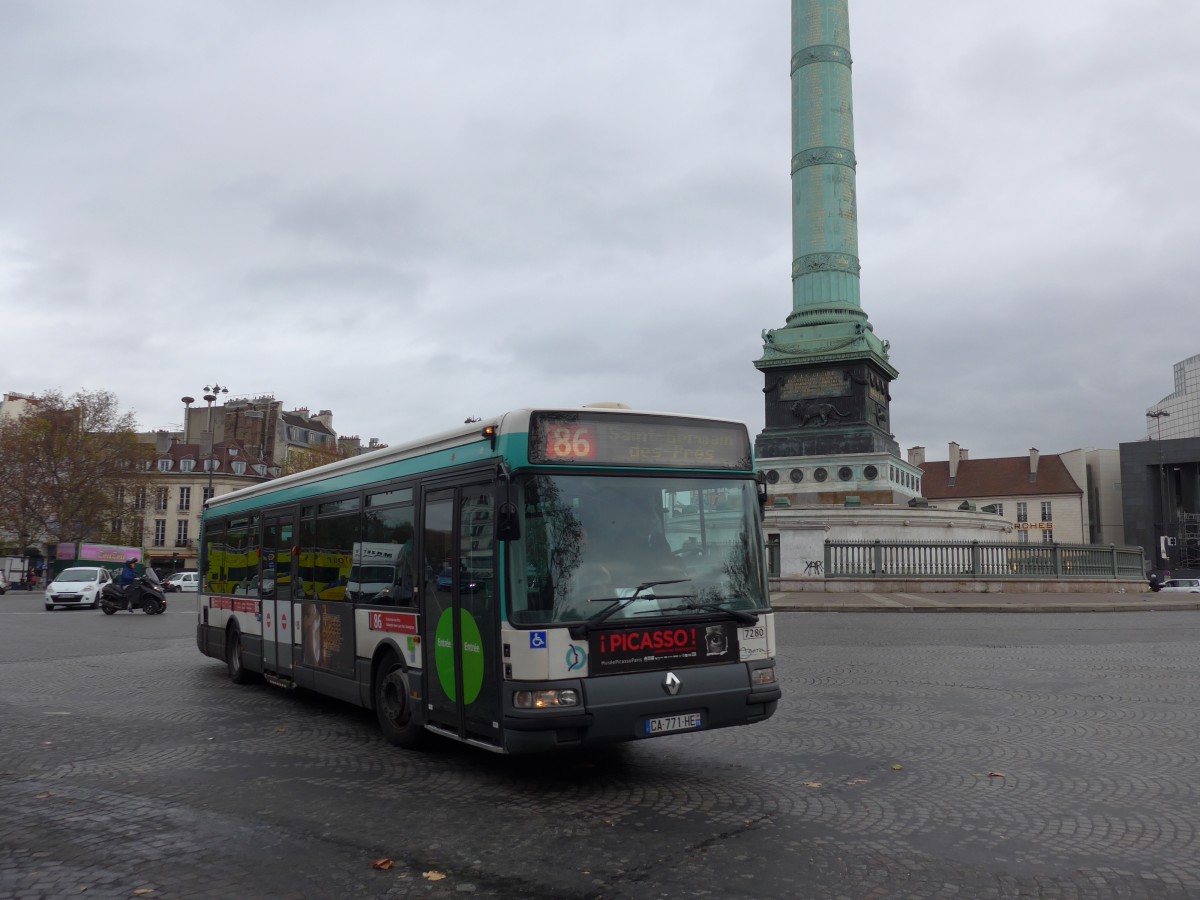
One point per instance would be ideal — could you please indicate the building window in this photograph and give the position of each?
(164, 465)
(1022, 512)
(187, 465)
(139, 499)
(160, 532)
(1047, 516)
(161, 496)
(1022, 537)
(1047, 535)
(185, 499)
(239, 468)
(999, 509)
(181, 533)
(208, 494)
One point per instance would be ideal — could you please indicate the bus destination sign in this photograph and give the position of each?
(628, 440)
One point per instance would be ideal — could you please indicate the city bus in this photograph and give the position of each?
(544, 579)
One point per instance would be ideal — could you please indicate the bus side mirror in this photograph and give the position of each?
(508, 523)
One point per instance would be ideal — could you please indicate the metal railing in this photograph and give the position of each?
(914, 559)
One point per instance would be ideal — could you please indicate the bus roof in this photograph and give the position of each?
(474, 433)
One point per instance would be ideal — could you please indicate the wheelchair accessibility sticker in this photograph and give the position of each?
(537, 640)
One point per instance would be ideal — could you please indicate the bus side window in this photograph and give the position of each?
(384, 570)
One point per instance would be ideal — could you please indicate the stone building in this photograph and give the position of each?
(181, 477)
(1042, 496)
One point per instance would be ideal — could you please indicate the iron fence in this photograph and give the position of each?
(915, 559)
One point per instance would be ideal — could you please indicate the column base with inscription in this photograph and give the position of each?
(827, 409)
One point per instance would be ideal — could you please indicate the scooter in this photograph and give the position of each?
(145, 593)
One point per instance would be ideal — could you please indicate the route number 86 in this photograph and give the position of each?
(570, 442)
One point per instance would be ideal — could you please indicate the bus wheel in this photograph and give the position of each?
(233, 657)
(399, 719)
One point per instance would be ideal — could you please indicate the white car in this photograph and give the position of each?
(182, 581)
(1181, 585)
(77, 586)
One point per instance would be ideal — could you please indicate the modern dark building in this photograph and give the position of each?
(1160, 478)
(1160, 493)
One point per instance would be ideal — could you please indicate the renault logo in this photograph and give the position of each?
(672, 684)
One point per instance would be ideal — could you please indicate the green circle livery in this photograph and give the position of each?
(472, 655)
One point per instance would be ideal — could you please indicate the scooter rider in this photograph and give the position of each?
(128, 581)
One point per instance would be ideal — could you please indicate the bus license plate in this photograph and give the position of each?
(664, 724)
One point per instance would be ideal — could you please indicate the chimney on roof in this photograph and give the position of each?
(302, 411)
(916, 456)
(962, 454)
(162, 442)
(1033, 464)
(954, 457)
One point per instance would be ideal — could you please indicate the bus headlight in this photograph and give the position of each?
(764, 675)
(545, 699)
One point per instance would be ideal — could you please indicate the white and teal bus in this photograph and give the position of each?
(545, 579)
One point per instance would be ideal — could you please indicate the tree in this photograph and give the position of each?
(70, 468)
(301, 460)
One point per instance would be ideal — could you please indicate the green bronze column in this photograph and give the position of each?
(826, 373)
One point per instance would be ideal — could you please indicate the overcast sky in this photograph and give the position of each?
(414, 211)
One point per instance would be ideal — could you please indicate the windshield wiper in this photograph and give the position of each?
(739, 615)
(579, 632)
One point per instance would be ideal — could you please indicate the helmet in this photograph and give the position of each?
(131, 561)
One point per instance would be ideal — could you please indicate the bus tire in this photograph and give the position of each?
(399, 719)
(238, 673)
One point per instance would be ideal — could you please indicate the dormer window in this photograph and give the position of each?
(239, 468)
(164, 465)
(275, 471)
(187, 465)
(233, 451)
(260, 469)
(211, 465)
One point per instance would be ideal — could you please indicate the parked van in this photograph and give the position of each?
(182, 581)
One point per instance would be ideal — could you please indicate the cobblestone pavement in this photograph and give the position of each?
(965, 756)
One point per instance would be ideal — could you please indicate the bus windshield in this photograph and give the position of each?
(589, 542)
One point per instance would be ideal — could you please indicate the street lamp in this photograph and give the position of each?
(210, 395)
(1157, 416)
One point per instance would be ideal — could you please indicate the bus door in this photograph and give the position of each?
(460, 621)
(275, 579)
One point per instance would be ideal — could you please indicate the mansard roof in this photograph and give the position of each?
(179, 451)
(1001, 477)
(301, 421)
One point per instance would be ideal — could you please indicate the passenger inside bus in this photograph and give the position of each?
(639, 551)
